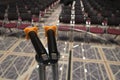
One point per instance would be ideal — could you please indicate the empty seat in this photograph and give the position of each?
(64, 28)
(113, 31)
(10, 25)
(66, 12)
(35, 11)
(96, 30)
(1, 16)
(65, 18)
(114, 21)
(26, 17)
(96, 19)
(79, 19)
(12, 16)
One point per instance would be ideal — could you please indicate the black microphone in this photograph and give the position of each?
(52, 46)
(41, 55)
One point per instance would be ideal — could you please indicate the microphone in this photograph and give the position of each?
(50, 32)
(41, 56)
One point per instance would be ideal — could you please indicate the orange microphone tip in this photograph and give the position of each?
(50, 27)
(46, 28)
(29, 29)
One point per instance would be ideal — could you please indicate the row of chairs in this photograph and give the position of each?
(79, 15)
(19, 16)
(95, 9)
(86, 34)
(11, 25)
(96, 30)
(25, 9)
(65, 15)
(80, 19)
(90, 13)
(67, 12)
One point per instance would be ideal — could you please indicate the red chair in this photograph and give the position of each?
(113, 31)
(64, 28)
(23, 26)
(10, 25)
(96, 30)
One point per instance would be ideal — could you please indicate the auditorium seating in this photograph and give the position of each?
(79, 19)
(104, 7)
(65, 15)
(21, 13)
(87, 34)
(21, 8)
(97, 11)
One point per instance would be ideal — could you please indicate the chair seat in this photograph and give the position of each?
(63, 28)
(96, 30)
(113, 31)
(23, 26)
(11, 25)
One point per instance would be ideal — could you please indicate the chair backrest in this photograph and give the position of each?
(12, 16)
(2, 16)
(26, 17)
